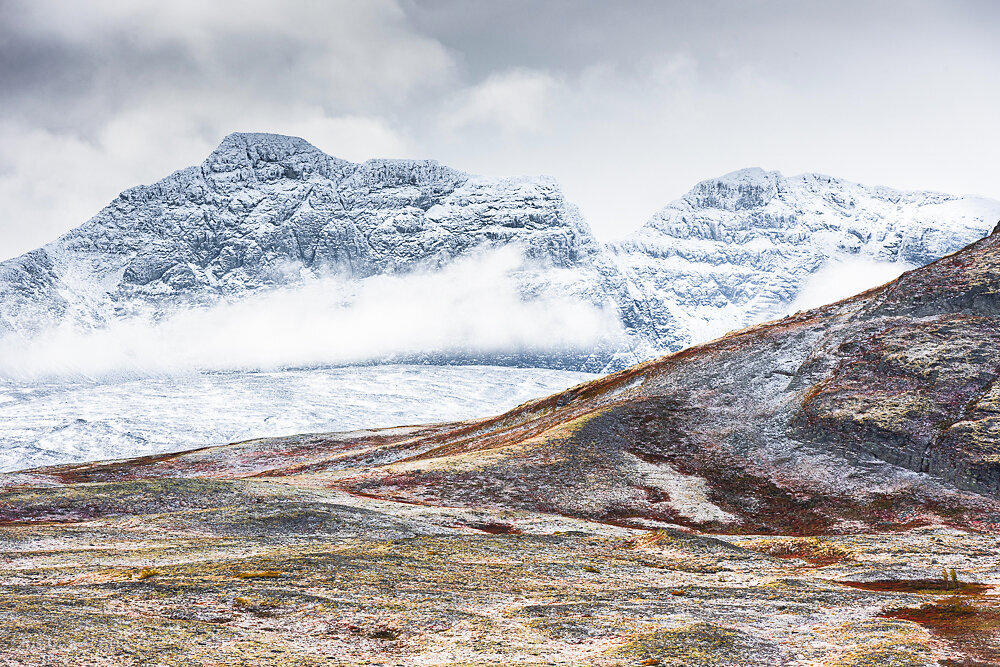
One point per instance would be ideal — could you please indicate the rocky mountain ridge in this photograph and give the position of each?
(746, 247)
(267, 212)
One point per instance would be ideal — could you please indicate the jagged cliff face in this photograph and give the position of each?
(877, 412)
(261, 201)
(740, 249)
(267, 211)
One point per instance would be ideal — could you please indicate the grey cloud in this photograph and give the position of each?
(627, 103)
(65, 76)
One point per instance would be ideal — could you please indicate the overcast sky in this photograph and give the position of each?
(627, 103)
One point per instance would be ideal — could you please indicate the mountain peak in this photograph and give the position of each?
(250, 148)
(259, 140)
(748, 175)
(263, 156)
(737, 190)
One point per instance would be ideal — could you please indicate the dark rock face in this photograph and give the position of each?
(915, 385)
(900, 390)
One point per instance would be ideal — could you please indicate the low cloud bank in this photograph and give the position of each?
(842, 278)
(473, 306)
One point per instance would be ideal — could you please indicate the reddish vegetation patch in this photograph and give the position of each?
(136, 468)
(645, 540)
(968, 620)
(12, 523)
(927, 586)
(374, 496)
(495, 528)
(655, 494)
(971, 627)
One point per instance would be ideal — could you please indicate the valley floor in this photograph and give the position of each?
(256, 572)
(69, 420)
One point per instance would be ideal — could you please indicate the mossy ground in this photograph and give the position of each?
(159, 590)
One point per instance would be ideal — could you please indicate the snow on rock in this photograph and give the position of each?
(744, 248)
(266, 212)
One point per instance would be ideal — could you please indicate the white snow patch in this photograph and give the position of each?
(688, 493)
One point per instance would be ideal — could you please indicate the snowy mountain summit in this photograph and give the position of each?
(267, 214)
(755, 245)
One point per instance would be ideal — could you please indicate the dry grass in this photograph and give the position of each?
(260, 574)
(815, 550)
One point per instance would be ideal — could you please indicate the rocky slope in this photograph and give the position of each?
(878, 411)
(255, 573)
(265, 212)
(744, 248)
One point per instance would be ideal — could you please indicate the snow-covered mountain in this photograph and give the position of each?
(754, 245)
(266, 213)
